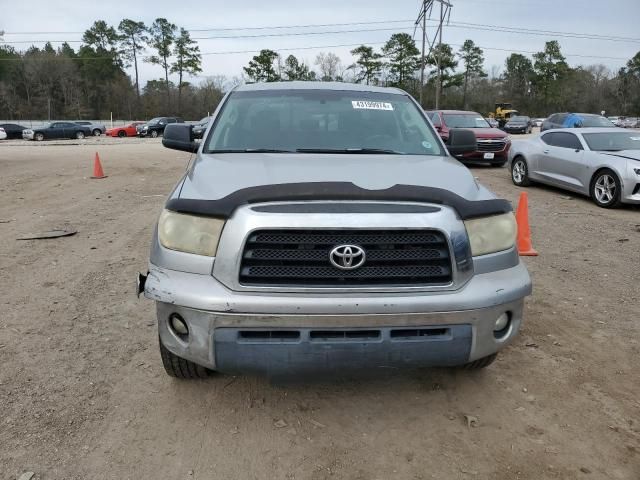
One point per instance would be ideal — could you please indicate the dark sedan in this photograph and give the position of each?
(201, 127)
(518, 124)
(13, 130)
(57, 130)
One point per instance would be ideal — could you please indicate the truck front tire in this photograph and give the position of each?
(480, 363)
(178, 367)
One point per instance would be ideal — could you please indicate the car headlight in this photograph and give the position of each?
(491, 234)
(637, 170)
(189, 233)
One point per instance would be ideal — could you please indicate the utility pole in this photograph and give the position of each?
(423, 13)
(438, 57)
(427, 6)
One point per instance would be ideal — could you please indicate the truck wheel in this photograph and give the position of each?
(97, 132)
(480, 363)
(178, 367)
(154, 133)
(79, 135)
(39, 137)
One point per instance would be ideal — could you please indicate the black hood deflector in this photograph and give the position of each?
(334, 191)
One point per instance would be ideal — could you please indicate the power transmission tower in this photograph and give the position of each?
(426, 9)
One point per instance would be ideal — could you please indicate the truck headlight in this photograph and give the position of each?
(189, 233)
(491, 234)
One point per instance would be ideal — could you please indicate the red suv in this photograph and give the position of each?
(493, 144)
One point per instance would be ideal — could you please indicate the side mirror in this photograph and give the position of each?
(179, 136)
(461, 141)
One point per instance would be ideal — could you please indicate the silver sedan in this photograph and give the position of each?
(603, 163)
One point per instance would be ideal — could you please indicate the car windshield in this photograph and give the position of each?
(153, 121)
(322, 121)
(596, 121)
(465, 120)
(612, 141)
(518, 119)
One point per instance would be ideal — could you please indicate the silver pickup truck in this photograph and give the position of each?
(324, 227)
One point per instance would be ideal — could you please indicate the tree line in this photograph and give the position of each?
(92, 81)
(536, 86)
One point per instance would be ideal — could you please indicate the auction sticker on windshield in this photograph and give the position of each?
(368, 105)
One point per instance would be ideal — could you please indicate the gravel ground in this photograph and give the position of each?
(84, 395)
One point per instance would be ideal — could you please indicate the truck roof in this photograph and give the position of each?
(298, 85)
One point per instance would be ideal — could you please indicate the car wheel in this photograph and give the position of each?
(480, 363)
(39, 137)
(122, 133)
(520, 172)
(606, 189)
(154, 133)
(96, 132)
(178, 367)
(79, 135)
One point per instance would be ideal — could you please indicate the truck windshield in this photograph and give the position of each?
(322, 121)
(465, 120)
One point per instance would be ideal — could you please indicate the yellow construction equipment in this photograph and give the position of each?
(503, 113)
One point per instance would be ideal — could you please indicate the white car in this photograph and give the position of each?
(603, 163)
(3, 134)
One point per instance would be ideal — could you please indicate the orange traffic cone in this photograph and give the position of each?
(524, 234)
(97, 168)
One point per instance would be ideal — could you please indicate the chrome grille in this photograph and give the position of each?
(491, 146)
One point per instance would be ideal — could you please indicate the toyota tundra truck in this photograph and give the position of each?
(325, 227)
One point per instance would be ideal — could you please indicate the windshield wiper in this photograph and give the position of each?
(348, 150)
(250, 150)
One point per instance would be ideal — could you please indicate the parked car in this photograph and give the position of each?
(575, 120)
(493, 122)
(324, 227)
(3, 134)
(603, 163)
(617, 121)
(129, 130)
(155, 126)
(518, 124)
(630, 122)
(537, 122)
(200, 127)
(57, 130)
(96, 129)
(493, 144)
(13, 130)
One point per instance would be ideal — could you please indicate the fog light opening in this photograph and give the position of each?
(178, 325)
(502, 325)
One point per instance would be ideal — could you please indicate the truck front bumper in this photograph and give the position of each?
(274, 334)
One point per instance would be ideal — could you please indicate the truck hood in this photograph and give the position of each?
(214, 176)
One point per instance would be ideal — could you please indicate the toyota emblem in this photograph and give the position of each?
(347, 257)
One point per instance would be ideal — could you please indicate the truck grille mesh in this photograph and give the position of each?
(300, 258)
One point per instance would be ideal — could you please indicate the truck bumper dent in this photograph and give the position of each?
(280, 333)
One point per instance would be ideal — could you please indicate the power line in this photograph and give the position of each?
(460, 25)
(214, 29)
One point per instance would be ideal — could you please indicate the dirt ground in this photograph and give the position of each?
(84, 395)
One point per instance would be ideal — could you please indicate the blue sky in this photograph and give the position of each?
(611, 17)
